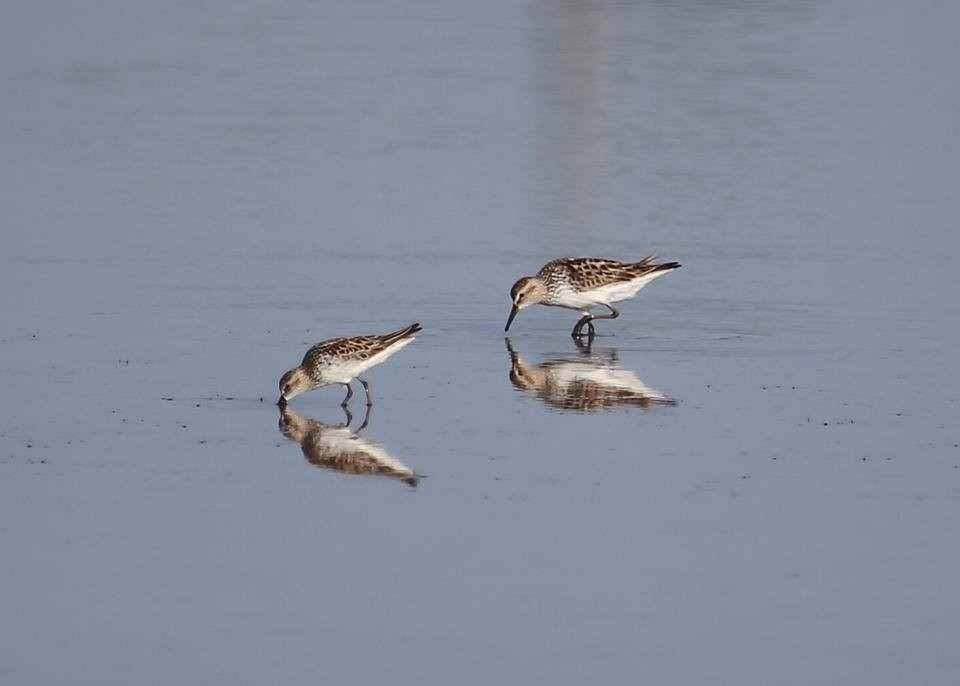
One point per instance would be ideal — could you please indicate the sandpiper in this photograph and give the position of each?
(340, 361)
(579, 283)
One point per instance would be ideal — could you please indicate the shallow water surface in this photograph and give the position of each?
(751, 477)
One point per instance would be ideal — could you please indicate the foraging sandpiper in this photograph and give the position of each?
(579, 283)
(340, 361)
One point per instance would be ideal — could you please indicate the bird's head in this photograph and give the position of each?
(527, 291)
(293, 383)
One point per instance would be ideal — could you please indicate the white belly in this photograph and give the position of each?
(346, 371)
(611, 293)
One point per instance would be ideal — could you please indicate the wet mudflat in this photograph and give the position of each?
(751, 477)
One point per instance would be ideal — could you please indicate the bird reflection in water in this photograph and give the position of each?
(584, 381)
(337, 447)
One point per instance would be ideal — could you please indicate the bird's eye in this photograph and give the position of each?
(520, 297)
(286, 387)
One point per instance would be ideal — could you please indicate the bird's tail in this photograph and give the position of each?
(647, 265)
(405, 332)
(666, 266)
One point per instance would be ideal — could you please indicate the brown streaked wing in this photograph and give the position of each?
(595, 272)
(356, 347)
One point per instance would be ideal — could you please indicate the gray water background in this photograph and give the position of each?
(192, 193)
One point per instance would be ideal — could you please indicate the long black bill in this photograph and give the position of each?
(513, 313)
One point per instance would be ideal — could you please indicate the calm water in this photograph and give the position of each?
(751, 478)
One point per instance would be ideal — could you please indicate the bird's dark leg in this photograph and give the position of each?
(366, 389)
(349, 395)
(366, 418)
(614, 313)
(588, 318)
(346, 411)
(583, 321)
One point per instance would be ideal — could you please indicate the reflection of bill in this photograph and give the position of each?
(583, 382)
(335, 446)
